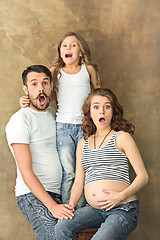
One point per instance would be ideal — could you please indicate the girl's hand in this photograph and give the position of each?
(111, 200)
(24, 101)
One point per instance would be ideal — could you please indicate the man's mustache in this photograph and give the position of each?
(41, 94)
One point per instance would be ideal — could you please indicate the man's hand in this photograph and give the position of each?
(62, 211)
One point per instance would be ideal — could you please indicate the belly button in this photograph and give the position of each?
(93, 194)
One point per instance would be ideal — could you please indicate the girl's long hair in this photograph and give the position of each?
(118, 123)
(85, 58)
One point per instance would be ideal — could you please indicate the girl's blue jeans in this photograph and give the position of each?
(68, 136)
(40, 218)
(116, 223)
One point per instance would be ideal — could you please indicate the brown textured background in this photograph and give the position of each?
(124, 37)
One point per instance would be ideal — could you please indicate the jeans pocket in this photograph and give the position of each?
(59, 126)
(21, 204)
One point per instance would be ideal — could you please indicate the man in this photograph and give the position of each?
(31, 135)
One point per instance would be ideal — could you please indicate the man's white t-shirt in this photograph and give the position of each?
(38, 129)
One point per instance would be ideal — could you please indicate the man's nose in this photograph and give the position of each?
(41, 88)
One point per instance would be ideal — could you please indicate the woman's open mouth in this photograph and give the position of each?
(102, 120)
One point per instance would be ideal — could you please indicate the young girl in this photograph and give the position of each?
(102, 165)
(73, 76)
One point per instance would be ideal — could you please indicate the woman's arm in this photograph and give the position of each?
(94, 77)
(77, 188)
(127, 145)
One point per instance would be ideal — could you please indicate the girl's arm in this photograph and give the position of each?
(126, 144)
(94, 77)
(77, 188)
(24, 101)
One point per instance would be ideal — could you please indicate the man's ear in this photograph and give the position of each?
(25, 89)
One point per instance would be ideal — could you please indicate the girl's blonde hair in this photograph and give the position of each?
(85, 58)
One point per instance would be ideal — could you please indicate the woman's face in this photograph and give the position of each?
(101, 111)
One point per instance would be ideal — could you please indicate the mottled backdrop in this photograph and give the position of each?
(124, 37)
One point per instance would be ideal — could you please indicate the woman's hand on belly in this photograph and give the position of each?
(111, 200)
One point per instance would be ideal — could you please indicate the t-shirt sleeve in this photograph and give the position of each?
(17, 130)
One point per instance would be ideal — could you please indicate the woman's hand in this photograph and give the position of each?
(111, 200)
(24, 101)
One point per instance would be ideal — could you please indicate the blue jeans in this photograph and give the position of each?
(68, 136)
(116, 223)
(40, 218)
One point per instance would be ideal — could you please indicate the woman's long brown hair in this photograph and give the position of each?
(118, 123)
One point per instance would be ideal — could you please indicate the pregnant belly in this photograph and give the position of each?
(94, 191)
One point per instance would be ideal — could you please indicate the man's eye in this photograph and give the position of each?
(45, 83)
(33, 84)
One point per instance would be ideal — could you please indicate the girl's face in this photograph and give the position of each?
(101, 111)
(70, 50)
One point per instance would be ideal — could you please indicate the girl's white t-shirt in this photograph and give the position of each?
(73, 90)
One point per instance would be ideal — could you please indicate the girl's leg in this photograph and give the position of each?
(68, 136)
(66, 150)
(119, 223)
(86, 217)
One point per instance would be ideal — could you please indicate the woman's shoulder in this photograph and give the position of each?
(122, 135)
(123, 138)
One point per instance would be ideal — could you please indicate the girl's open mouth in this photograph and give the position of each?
(68, 55)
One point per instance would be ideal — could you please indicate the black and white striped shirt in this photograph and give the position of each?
(105, 163)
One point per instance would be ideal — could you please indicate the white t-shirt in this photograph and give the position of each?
(38, 129)
(73, 90)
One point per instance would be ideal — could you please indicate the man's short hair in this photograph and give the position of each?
(38, 69)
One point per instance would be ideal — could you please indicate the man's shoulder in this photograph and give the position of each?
(21, 113)
(52, 111)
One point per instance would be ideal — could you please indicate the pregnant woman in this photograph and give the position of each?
(102, 171)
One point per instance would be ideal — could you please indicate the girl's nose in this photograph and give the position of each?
(68, 46)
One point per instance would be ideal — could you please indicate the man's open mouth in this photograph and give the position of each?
(42, 100)
(68, 55)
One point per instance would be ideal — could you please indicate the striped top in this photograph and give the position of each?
(105, 163)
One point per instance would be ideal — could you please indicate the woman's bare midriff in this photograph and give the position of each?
(94, 191)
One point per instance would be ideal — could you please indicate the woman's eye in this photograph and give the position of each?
(107, 107)
(96, 107)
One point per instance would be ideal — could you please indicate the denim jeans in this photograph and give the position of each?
(116, 223)
(40, 218)
(68, 136)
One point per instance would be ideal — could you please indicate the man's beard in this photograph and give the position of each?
(43, 108)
